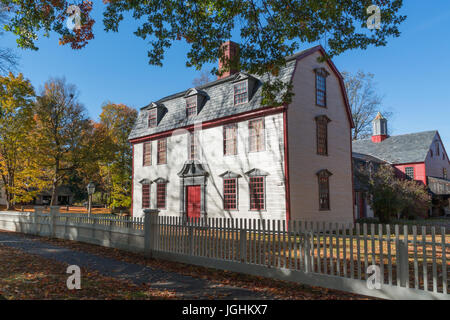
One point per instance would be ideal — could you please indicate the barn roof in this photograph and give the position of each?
(406, 148)
(365, 157)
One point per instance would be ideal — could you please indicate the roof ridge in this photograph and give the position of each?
(400, 135)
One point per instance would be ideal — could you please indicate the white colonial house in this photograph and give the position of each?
(216, 151)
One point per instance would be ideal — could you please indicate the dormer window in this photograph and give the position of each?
(243, 85)
(155, 113)
(195, 99)
(191, 106)
(240, 92)
(321, 87)
(152, 118)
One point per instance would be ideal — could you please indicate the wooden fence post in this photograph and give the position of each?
(191, 237)
(307, 246)
(151, 231)
(243, 243)
(402, 263)
(54, 211)
(36, 214)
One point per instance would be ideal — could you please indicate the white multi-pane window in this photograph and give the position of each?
(324, 189)
(191, 106)
(256, 135)
(193, 146)
(162, 151)
(257, 193)
(230, 194)
(322, 135)
(147, 154)
(230, 139)
(146, 195)
(240, 93)
(321, 89)
(152, 118)
(161, 195)
(409, 172)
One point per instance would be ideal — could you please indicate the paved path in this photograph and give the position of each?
(186, 287)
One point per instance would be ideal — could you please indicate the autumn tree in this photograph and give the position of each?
(394, 197)
(116, 123)
(365, 102)
(269, 30)
(17, 169)
(62, 133)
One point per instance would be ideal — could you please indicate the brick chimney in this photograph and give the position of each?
(380, 132)
(231, 53)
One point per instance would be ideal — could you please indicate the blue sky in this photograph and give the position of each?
(411, 71)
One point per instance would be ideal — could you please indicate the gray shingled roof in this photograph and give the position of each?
(406, 148)
(365, 157)
(219, 102)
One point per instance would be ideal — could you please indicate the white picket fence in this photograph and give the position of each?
(411, 262)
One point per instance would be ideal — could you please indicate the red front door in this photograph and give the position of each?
(193, 201)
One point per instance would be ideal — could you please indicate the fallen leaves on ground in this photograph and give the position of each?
(276, 288)
(26, 276)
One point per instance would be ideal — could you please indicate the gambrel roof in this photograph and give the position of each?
(219, 99)
(406, 148)
(219, 103)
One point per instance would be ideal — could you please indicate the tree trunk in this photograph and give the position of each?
(9, 195)
(54, 200)
(8, 201)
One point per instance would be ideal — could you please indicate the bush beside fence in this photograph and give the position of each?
(413, 262)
